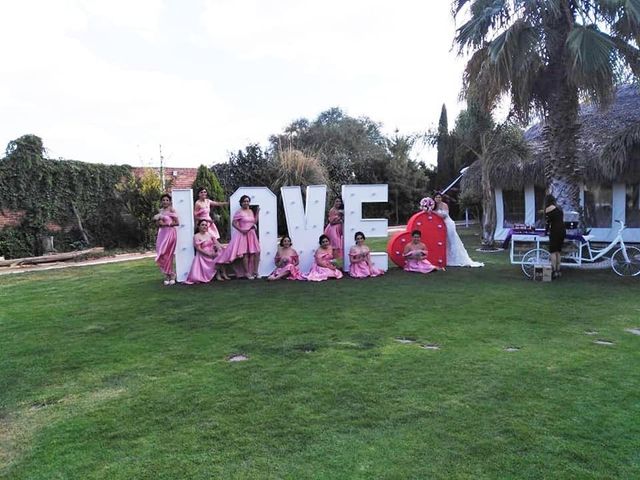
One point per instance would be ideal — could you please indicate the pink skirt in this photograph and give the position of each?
(202, 270)
(418, 266)
(166, 249)
(318, 273)
(362, 270)
(294, 272)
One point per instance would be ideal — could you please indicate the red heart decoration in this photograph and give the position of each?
(434, 236)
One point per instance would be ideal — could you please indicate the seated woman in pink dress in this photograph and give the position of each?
(167, 220)
(415, 254)
(203, 267)
(323, 263)
(360, 256)
(286, 262)
(334, 229)
(245, 245)
(202, 210)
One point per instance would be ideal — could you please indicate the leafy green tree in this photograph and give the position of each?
(207, 179)
(352, 150)
(141, 198)
(471, 127)
(546, 54)
(407, 181)
(249, 167)
(501, 144)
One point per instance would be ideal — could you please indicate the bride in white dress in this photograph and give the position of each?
(457, 255)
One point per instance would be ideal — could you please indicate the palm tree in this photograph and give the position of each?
(547, 54)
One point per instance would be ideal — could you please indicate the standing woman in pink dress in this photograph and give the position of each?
(286, 262)
(324, 265)
(245, 244)
(415, 254)
(203, 267)
(360, 256)
(202, 210)
(334, 229)
(167, 220)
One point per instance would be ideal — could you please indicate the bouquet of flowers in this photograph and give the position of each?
(427, 204)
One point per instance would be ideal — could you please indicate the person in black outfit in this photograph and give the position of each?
(556, 231)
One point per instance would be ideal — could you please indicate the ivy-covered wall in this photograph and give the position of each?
(75, 202)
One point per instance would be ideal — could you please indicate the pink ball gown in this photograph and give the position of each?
(204, 213)
(290, 264)
(360, 268)
(203, 267)
(166, 243)
(245, 241)
(318, 272)
(334, 230)
(418, 265)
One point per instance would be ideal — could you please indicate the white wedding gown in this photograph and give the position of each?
(457, 255)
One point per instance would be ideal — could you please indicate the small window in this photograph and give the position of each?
(539, 193)
(513, 207)
(632, 206)
(598, 203)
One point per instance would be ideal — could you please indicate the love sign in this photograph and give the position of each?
(305, 222)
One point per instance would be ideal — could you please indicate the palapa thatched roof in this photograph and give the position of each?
(608, 149)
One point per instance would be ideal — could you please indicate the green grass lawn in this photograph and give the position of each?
(105, 373)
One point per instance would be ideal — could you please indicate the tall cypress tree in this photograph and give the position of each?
(445, 155)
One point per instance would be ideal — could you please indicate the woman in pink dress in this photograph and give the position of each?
(203, 267)
(167, 220)
(245, 244)
(334, 229)
(202, 210)
(415, 254)
(286, 262)
(360, 256)
(324, 265)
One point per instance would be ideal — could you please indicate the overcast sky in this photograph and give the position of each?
(110, 80)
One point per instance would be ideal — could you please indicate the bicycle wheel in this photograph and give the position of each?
(624, 268)
(537, 256)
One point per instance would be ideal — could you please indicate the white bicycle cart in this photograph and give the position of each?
(528, 250)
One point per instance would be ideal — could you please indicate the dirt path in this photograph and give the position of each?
(125, 257)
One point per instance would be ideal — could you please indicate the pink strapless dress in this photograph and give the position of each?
(319, 273)
(291, 266)
(361, 269)
(203, 268)
(335, 231)
(205, 214)
(418, 266)
(245, 241)
(166, 244)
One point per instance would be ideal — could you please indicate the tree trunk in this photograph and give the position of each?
(397, 210)
(488, 209)
(85, 237)
(561, 129)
